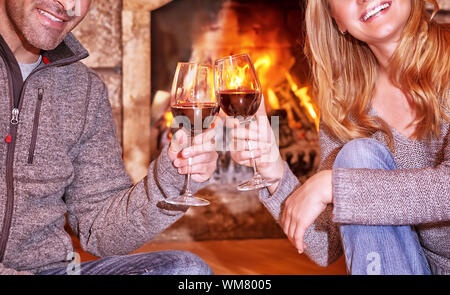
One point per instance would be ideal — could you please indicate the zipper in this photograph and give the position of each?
(15, 111)
(9, 169)
(15, 120)
(9, 208)
(15, 116)
(10, 192)
(37, 113)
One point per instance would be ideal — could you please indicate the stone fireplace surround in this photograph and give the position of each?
(117, 34)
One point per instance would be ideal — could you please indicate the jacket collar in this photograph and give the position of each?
(67, 52)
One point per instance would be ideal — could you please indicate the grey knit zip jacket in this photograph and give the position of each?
(418, 193)
(61, 157)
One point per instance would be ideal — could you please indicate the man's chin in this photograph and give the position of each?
(49, 47)
(45, 43)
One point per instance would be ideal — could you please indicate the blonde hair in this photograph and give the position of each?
(344, 71)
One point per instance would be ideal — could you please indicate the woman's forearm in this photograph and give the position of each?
(377, 197)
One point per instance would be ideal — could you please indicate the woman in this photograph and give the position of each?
(382, 194)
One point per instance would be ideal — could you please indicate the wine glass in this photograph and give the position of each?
(194, 108)
(239, 93)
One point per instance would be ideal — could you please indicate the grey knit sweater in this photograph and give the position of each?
(418, 193)
(62, 158)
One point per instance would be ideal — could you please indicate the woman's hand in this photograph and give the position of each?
(304, 206)
(202, 153)
(261, 143)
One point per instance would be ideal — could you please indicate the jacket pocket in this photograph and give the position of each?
(37, 113)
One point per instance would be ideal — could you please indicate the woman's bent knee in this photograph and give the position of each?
(365, 153)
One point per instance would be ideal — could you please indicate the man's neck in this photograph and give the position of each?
(22, 50)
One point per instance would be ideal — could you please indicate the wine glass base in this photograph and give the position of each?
(256, 183)
(187, 200)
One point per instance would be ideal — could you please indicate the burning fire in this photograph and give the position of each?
(305, 99)
(262, 66)
(236, 79)
(272, 56)
(273, 99)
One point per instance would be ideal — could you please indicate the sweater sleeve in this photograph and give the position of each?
(11, 272)
(111, 215)
(400, 197)
(322, 237)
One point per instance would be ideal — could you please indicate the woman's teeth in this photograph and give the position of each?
(53, 18)
(375, 11)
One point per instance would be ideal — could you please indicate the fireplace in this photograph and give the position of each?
(271, 32)
(202, 31)
(132, 49)
(231, 214)
(191, 30)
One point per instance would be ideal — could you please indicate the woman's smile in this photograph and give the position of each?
(376, 11)
(373, 22)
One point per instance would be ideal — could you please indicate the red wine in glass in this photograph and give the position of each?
(200, 115)
(194, 107)
(239, 93)
(243, 103)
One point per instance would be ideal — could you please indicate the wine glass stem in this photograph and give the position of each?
(246, 123)
(253, 161)
(188, 184)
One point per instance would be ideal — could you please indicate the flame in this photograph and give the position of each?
(273, 99)
(190, 81)
(262, 68)
(236, 77)
(305, 99)
(263, 62)
(168, 117)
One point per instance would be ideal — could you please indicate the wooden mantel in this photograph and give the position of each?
(136, 66)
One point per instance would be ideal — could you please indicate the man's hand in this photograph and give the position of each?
(202, 153)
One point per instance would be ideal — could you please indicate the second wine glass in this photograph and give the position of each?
(238, 91)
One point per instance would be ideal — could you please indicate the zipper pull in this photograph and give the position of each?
(15, 116)
(40, 93)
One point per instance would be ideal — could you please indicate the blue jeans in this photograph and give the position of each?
(171, 262)
(386, 250)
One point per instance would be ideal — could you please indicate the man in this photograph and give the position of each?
(59, 156)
